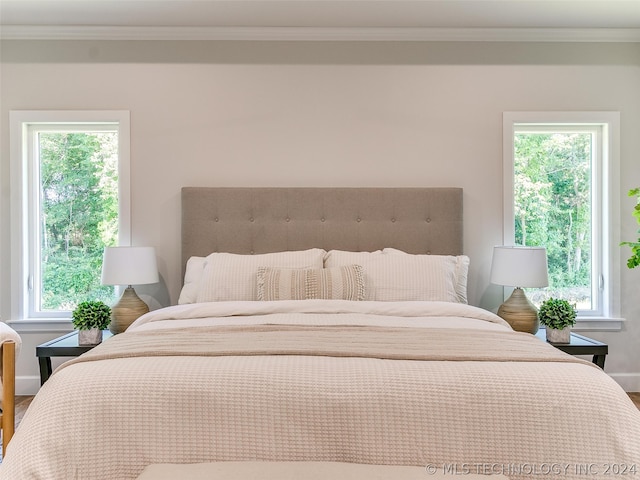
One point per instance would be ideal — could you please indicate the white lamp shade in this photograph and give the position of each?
(520, 267)
(129, 266)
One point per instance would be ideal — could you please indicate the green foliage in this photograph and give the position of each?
(91, 314)
(552, 192)
(634, 259)
(557, 313)
(79, 203)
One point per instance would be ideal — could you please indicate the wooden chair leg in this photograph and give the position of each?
(8, 392)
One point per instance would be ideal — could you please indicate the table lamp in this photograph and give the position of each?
(520, 267)
(128, 266)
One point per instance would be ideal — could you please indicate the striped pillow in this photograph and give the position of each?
(339, 283)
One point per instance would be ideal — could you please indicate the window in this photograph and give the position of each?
(561, 192)
(71, 170)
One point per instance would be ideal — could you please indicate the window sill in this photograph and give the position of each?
(612, 324)
(41, 325)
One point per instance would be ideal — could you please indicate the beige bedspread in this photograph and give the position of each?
(323, 386)
(391, 343)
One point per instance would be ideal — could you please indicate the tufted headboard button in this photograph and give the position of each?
(393, 220)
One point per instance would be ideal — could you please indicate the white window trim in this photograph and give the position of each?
(610, 122)
(19, 123)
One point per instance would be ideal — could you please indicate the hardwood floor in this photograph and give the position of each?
(22, 403)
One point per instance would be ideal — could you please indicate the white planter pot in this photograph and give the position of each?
(89, 337)
(559, 336)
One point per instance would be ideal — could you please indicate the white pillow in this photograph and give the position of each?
(192, 277)
(392, 275)
(232, 277)
(462, 271)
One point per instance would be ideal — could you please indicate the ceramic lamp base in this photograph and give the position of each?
(520, 313)
(126, 311)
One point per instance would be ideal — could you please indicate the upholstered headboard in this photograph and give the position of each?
(264, 220)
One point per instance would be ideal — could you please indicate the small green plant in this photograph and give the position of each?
(634, 259)
(91, 314)
(557, 313)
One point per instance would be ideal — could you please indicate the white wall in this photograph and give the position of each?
(334, 114)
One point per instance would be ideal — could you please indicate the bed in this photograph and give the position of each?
(326, 325)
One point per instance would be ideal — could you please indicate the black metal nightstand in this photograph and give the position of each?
(64, 346)
(581, 345)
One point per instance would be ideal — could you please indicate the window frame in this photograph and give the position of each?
(605, 198)
(24, 207)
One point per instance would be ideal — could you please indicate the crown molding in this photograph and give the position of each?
(385, 34)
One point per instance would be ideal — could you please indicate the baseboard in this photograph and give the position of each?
(630, 382)
(27, 384)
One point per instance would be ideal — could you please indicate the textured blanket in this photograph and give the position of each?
(391, 343)
(325, 387)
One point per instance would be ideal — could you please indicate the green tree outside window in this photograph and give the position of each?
(552, 200)
(79, 215)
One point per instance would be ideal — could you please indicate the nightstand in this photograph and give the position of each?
(581, 345)
(64, 346)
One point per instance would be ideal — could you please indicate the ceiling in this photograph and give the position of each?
(617, 18)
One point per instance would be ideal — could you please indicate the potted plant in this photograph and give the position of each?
(634, 260)
(90, 318)
(558, 316)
